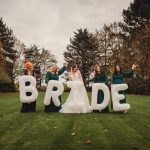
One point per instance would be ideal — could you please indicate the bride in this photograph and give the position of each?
(77, 101)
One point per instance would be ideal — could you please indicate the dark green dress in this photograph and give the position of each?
(28, 107)
(118, 79)
(50, 76)
(101, 78)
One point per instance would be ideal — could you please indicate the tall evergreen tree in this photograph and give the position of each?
(137, 15)
(7, 52)
(82, 50)
(4, 78)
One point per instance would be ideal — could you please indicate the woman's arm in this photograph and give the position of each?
(128, 73)
(80, 77)
(61, 71)
(92, 79)
(47, 77)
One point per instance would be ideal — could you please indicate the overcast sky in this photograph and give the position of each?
(51, 23)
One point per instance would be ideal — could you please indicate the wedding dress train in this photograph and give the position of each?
(77, 101)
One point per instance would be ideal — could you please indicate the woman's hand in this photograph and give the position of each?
(133, 66)
(65, 64)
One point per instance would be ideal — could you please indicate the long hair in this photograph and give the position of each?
(115, 70)
(72, 67)
(100, 66)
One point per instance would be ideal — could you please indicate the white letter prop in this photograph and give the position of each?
(105, 89)
(116, 97)
(30, 88)
(53, 94)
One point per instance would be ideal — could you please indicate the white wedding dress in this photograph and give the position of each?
(77, 101)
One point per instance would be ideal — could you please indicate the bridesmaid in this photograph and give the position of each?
(100, 77)
(28, 107)
(118, 76)
(53, 74)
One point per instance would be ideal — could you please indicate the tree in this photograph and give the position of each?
(105, 47)
(137, 25)
(47, 60)
(112, 45)
(82, 50)
(7, 52)
(137, 28)
(141, 49)
(42, 59)
(4, 78)
(137, 15)
(19, 62)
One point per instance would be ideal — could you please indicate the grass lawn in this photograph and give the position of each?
(93, 131)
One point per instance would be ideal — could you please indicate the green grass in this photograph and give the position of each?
(34, 131)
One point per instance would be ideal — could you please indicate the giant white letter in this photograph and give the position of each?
(116, 97)
(30, 88)
(50, 94)
(105, 89)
